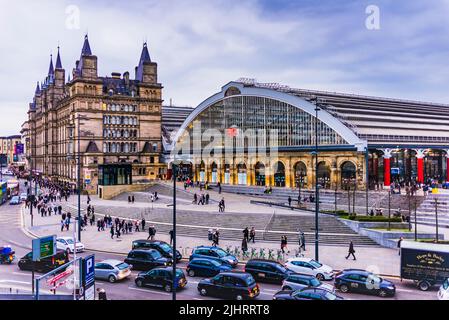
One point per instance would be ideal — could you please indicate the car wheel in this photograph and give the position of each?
(383, 293)
(239, 297)
(203, 292)
(112, 279)
(167, 288)
(191, 273)
(423, 286)
(139, 283)
(344, 288)
(320, 277)
(286, 288)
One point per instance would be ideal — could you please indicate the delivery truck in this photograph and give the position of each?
(426, 264)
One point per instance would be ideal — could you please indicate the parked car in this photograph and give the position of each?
(267, 270)
(15, 200)
(44, 265)
(443, 293)
(23, 196)
(230, 285)
(146, 259)
(161, 278)
(67, 244)
(361, 281)
(306, 294)
(112, 270)
(214, 253)
(206, 267)
(164, 248)
(300, 281)
(311, 267)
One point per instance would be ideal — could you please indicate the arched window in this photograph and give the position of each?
(105, 147)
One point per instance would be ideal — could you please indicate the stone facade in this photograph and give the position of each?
(115, 120)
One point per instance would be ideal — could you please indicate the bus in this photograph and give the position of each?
(13, 188)
(3, 192)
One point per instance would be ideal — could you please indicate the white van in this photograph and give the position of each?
(443, 293)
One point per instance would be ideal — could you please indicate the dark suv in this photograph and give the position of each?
(45, 264)
(214, 253)
(361, 281)
(164, 248)
(267, 270)
(146, 259)
(230, 285)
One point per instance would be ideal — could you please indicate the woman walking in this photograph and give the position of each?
(283, 243)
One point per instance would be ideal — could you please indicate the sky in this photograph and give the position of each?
(399, 49)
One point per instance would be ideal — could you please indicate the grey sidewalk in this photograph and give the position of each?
(381, 260)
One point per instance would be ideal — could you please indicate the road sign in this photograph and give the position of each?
(88, 280)
(44, 247)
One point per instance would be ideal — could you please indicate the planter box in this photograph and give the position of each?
(357, 225)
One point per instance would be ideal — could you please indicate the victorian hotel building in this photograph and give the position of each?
(113, 123)
(363, 142)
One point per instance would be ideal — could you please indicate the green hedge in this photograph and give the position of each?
(371, 218)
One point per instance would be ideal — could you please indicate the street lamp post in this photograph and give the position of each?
(174, 234)
(79, 180)
(317, 191)
(416, 223)
(389, 210)
(436, 218)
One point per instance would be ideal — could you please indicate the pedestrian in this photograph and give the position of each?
(88, 199)
(171, 233)
(302, 241)
(112, 233)
(351, 251)
(129, 199)
(98, 225)
(132, 198)
(207, 198)
(143, 224)
(195, 198)
(399, 245)
(252, 234)
(283, 243)
(67, 224)
(137, 226)
(289, 201)
(246, 234)
(244, 245)
(62, 225)
(101, 294)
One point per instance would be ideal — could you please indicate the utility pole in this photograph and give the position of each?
(335, 199)
(389, 210)
(317, 191)
(416, 223)
(174, 284)
(353, 196)
(436, 218)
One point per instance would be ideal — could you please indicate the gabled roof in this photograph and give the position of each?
(92, 147)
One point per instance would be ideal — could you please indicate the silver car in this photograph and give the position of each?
(298, 281)
(112, 270)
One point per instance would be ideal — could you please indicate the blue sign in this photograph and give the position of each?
(89, 270)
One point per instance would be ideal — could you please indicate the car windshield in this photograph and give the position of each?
(330, 296)
(315, 264)
(155, 254)
(315, 282)
(250, 281)
(215, 263)
(221, 253)
(166, 247)
(69, 241)
(282, 268)
(122, 266)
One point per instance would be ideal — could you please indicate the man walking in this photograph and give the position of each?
(302, 241)
(289, 201)
(143, 224)
(252, 234)
(351, 251)
(112, 233)
(246, 234)
(171, 236)
(399, 245)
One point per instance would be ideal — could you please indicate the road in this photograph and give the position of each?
(12, 278)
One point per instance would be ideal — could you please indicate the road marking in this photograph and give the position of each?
(14, 281)
(22, 274)
(197, 299)
(405, 290)
(149, 291)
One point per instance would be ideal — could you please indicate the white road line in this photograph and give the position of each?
(22, 274)
(14, 281)
(197, 299)
(149, 291)
(405, 290)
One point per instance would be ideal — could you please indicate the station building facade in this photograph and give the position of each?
(363, 142)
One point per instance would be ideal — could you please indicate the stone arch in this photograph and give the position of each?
(279, 174)
(300, 173)
(348, 174)
(260, 174)
(242, 173)
(324, 174)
